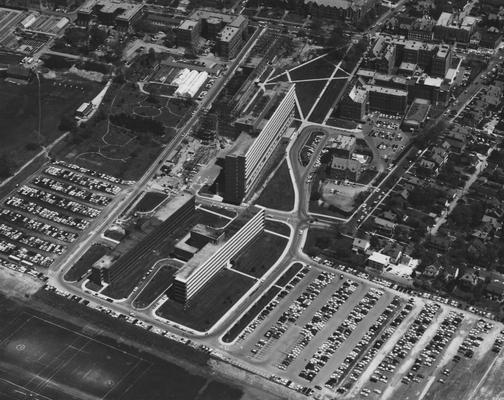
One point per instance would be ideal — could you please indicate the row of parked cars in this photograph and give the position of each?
(72, 191)
(319, 320)
(341, 334)
(474, 338)
(93, 173)
(404, 345)
(266, 311)
(498, 343)
(58, 201)
(357, 360)
(29, 240)
(31, 224)
(23, 255)
(369, 354)
(291, 315)
(436, 345)
(82, 180)
(42, 212)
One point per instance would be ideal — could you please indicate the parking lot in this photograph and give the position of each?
(333, 334)
(42, 218)
(324, 322)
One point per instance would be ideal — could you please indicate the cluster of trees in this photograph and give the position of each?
(137, 123)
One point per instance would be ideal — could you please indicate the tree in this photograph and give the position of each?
(97, 37)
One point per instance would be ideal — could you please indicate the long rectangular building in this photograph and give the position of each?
(244, 167)
(178, 212)
(196, 273)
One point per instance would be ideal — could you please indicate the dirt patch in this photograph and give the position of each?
(18, 285)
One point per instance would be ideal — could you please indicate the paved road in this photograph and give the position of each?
(57, 272)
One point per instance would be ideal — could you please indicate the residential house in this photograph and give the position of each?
(360, 246)
(385, 225)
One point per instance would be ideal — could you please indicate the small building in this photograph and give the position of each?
(353, 106)
(84, 110)
(360, 245)
(385, 225)
(378, 261)
(416, 115)
(19, 73)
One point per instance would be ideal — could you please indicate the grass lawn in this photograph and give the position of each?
(123, 153)
(150, 201)
(332, 245)
(260, 255)
(210, 219)
(209, 305)
(156, 286)
(326, 101)
(307, 93)
(278, 227)
(253, 312)
(93, 254)
(279, 192)
(289, 274)
(320, 68)
(219, 210)
(19, 113)
(341, 123)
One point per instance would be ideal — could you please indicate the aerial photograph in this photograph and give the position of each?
(251, 199)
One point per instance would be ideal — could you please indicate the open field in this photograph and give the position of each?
(307, 93)
(19, 112)
(318, 69)
(43, 358)
(83, 264)
(211, 219)
(207, 306)
(260, 255)
(279, 192)
(277, 227)
(127, 133)
(150, 201)
(326, 101)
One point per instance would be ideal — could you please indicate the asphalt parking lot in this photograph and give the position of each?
(339, 335)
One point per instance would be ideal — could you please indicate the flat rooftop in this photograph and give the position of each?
(228, 33)
(444, 19)
(418, 110)
(343, 142)
(358, 95)
(385, 90)
(196, 261)
(188, 24)
(183, 245)
(173, 205)
(206, 231)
